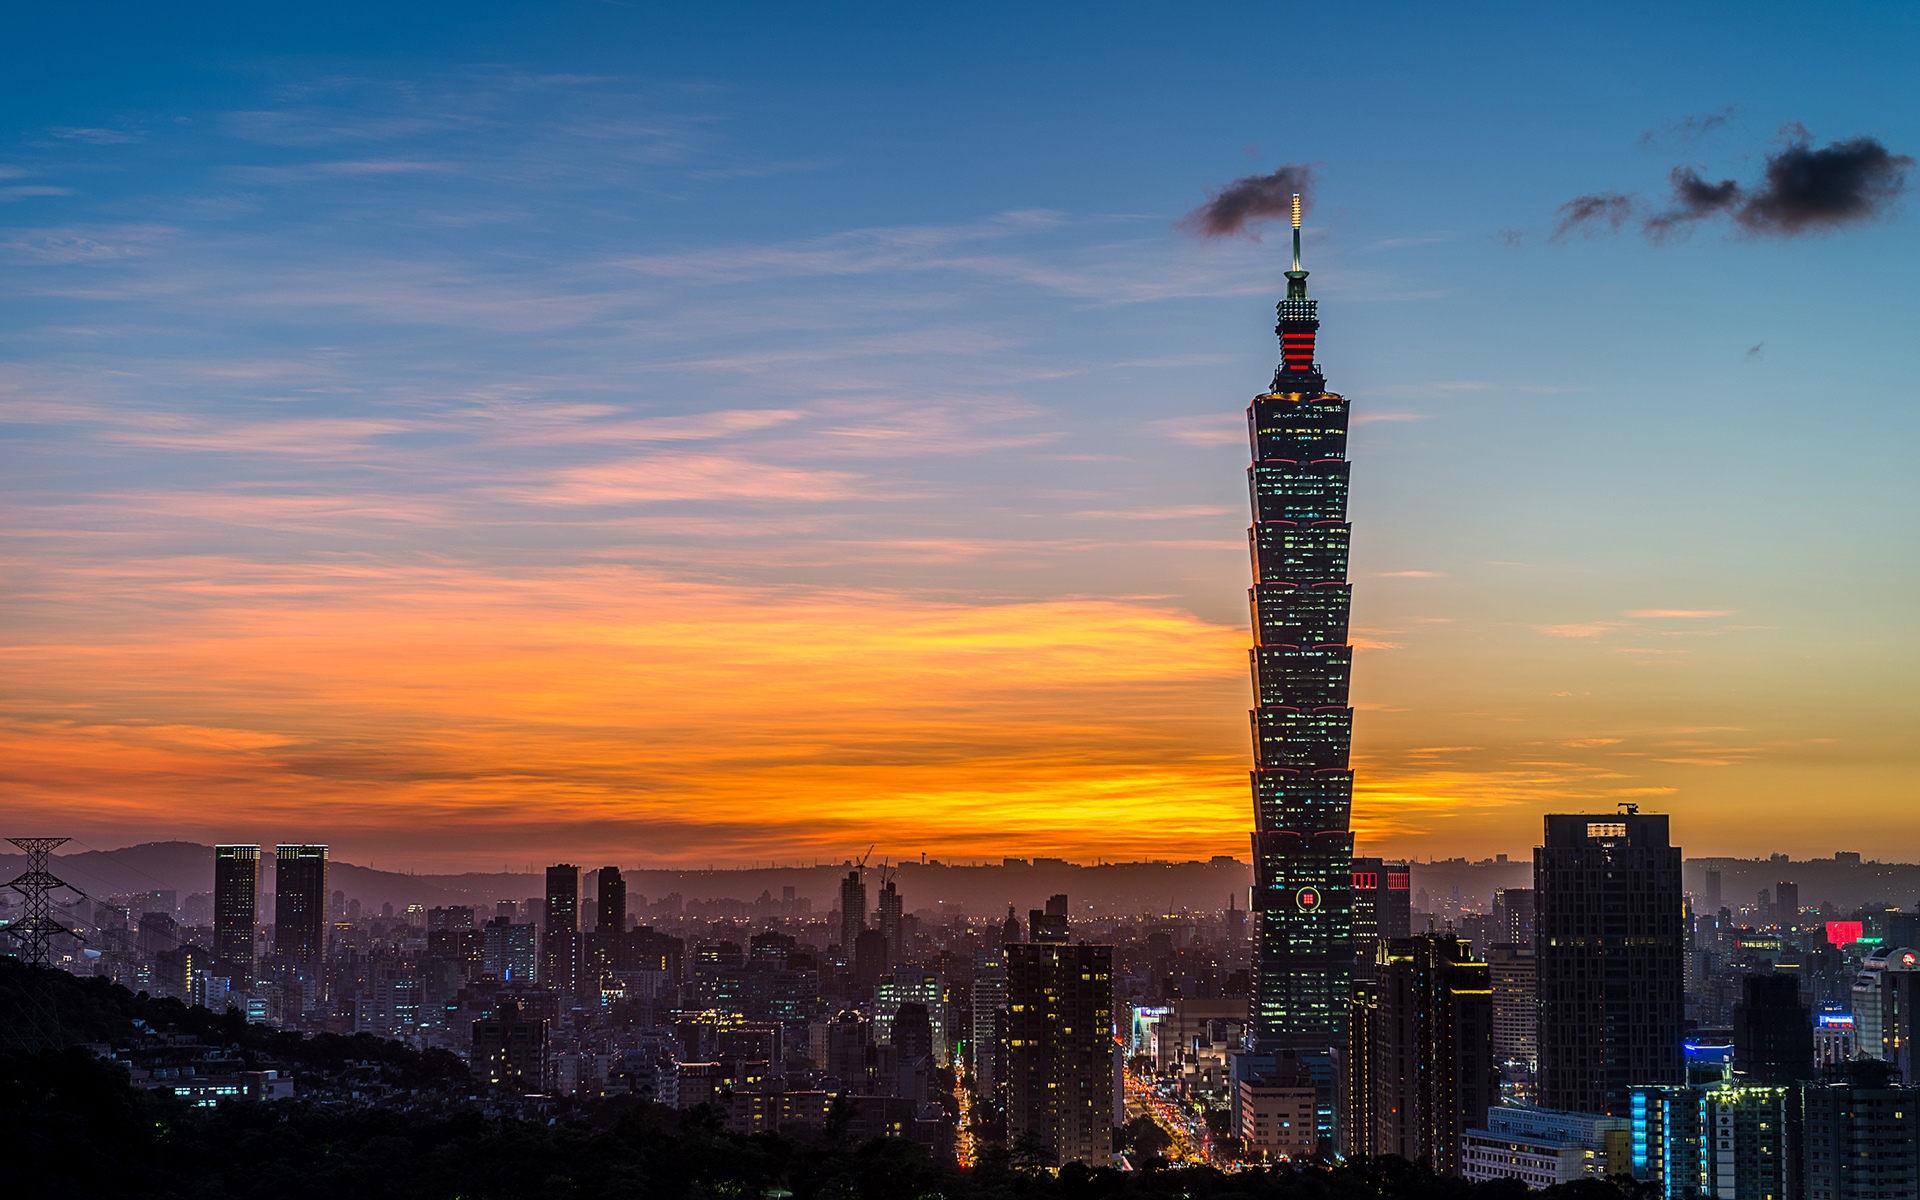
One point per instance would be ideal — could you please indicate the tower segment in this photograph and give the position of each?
(1302, 724)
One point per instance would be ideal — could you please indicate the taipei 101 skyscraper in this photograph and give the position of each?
(1302, 726)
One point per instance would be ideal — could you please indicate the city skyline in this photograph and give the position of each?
(616, 430)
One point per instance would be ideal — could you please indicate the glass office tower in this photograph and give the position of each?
(236, 906)
(300, 902)
(1302, 725)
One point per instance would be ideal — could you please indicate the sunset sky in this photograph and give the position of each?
(731, 433)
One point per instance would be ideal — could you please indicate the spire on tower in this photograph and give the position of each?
(1299, 321)
(1296, 278)
(1296, 231)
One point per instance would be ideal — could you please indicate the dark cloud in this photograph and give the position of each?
(1693, 199)
(1809, 190)
(1583, 212)
(1255, 198)
(1805, 190)
(1691, 129)
(1699, 127)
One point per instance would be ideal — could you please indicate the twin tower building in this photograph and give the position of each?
(1610, 1003)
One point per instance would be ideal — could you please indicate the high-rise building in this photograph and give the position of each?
(989, 1016)
(560, 939)
(1833, 1041)
(853, 911)
(869, 959)
(1860, 1138)
(1711, 898)
(887, 917)
(1772, 1031)
(1382, 907)
(510, 1050)
(1725, 1140)
(508, 951)
(610, 902)
(1060, 1050)
(1513, 916)
(1666, 1138)
(1884, 993)
(1515, 1008)
(1900, 1025)
(236, 908)
(300, 903)
(1429, 1074)
(1049, 924)
(159, 932)
(1610, 945)
(1302, 725)
(1786, 902)
(604, 951)
(912, 985)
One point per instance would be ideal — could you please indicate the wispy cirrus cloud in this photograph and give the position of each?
(1684, 614)
(681, 477)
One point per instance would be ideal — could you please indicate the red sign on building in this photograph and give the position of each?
(1840, 933)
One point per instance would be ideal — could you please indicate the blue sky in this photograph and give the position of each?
(788, 305)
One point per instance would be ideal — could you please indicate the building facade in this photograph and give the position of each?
(1860, 1137)
(1060, 1050)
(1280, 1116)
(1882, 1027)
(1543, 1147)
(560, 937)
(236, 908)
(1302, 724)
(1772, 1031)
(1609, 951)
(1515, 1009)
(887, 914)
(511, 1050)
(300, 903)
(1513, 916)
(988, 1017)
(1725, 1140)
(1428, 1074)
(1382, 907)
(853, 911)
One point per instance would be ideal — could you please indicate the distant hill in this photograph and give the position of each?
(1845, 885)
(187, 867)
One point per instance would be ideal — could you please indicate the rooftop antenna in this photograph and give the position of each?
(1297, 278)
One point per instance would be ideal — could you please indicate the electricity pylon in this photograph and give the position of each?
(36, 930)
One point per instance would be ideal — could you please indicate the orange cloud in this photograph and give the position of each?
(664, 719)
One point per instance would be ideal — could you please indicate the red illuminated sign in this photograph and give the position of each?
(1840, 933)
